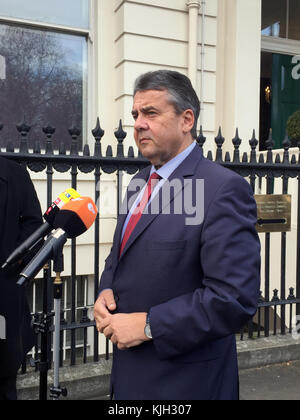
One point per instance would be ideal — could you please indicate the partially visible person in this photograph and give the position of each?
(20, 216)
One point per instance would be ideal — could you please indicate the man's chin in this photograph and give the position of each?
(148, 153)
(145, 151)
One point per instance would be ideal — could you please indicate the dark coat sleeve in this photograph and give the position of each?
(30, 214)
(230, 258)
(30, 209)
(23, 215)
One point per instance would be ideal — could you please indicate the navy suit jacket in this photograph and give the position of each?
(200, 284)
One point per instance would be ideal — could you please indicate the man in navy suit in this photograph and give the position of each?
(183, 276)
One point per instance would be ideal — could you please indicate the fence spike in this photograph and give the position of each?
(201, 139)
(130, 152)
(37, 148)
(261, 158)
(253, 141)
(219, 140)
(49, 131)
(86, 150)
(120, 135)
(245, 157)
(277, 158)
(209, 155)
(98, 133)
(23, 129)
(10, 147)
(286, 142)
(253, 144)
(62, 148)
(109, 152)
(84, 317)
(74, 133)
(291, 295)
(275, 297)
(270, 145)
(236, 141)
(286, 145)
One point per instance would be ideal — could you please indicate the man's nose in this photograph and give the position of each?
(141, 123)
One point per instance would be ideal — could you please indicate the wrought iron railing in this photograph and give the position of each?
(262, 169)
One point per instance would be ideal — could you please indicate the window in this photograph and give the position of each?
(280, 70)
(73, 13)
(280, 18)
(43, 68)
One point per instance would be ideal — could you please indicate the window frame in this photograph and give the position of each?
(279, 45)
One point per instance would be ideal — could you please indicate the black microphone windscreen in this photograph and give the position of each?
(77, 216)
(70, 222)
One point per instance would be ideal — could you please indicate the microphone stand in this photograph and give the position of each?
(56, 390)
(42, 326)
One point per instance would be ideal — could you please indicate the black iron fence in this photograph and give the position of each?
(277, 306)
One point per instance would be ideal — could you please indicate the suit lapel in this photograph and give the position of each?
(143, 177)
(185, 169)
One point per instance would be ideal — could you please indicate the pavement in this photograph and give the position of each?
(267, 383)
(271, 382)
(269, 370)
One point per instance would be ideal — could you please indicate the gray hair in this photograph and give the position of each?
(181, 92)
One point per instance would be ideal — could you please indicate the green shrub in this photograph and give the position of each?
(293, 126)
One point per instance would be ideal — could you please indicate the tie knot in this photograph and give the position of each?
(152, 182)
(154, 176)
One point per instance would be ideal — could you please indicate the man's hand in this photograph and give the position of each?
(125, 330)
(104, 305)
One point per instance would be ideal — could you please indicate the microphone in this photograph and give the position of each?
(38, 236)
(52, 245)
(61, 200)
(75, 218)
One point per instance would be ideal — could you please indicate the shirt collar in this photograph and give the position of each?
(168, 168)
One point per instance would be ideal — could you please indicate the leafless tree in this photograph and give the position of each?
(41, 85)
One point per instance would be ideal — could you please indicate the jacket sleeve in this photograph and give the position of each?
(228, 297)
(30, 210)
(106, 277)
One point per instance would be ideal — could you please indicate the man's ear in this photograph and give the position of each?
(188, 120)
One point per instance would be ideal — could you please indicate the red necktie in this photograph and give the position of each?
(137, 213)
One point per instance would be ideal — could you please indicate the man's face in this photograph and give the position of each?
(160, 133)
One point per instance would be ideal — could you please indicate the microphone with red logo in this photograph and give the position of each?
(38, 236)
(74, 218)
